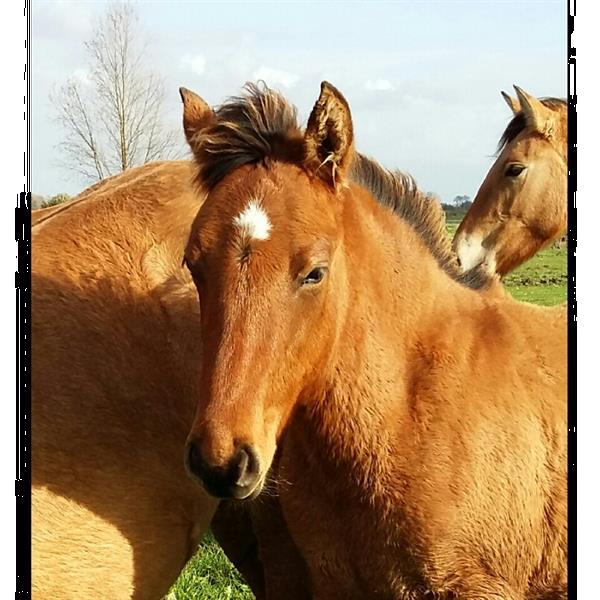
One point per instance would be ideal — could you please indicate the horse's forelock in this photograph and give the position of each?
(257, 125)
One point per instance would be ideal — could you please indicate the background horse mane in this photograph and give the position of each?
(519, 122)
(262, 125)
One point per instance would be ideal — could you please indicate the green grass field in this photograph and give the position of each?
(210, 576)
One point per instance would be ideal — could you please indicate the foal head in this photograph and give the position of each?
(521, 205)
(265, 254)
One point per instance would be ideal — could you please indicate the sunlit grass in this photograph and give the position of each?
(210, 576)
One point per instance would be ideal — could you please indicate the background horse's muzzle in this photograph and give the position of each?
(237, 479)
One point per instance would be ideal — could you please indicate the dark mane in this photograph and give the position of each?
(251, 128)
(423, 213)
(261, 125)
(518, 122)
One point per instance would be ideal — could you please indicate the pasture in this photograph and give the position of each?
(209, 575)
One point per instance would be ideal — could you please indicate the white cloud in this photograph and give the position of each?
(378, 85)
(196, 62)
(276, 77)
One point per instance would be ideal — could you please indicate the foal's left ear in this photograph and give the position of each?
(329, 136)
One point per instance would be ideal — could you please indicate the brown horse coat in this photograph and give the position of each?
(521, 205)
(424, 423)
(114, 363)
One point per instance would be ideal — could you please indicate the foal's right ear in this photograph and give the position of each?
(197, 114)
(329, 136)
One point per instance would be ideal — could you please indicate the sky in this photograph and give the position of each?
(422, 78)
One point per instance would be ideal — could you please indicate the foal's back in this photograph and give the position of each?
(114, 514)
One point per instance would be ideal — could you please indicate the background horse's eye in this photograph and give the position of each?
(315, 276)
(514, 170)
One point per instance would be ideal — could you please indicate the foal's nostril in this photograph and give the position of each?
(240, 466)
(247, 468)
(234, 479)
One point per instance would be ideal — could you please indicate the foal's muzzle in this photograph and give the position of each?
(239, 478)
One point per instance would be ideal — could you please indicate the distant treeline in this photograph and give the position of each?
(463, 208)
(456, 209)
(460, 204)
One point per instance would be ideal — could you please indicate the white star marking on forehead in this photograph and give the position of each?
(253, 222)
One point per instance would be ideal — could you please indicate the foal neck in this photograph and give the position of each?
(400, 299)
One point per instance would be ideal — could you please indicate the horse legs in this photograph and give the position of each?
(254, 536)
(232, 528)
(286, 573)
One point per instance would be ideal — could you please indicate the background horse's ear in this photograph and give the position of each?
(197, 114)
(513, 103)
(538, 116)
(328, 139)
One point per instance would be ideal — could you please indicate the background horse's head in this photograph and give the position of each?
(265, 254)
(521, 206)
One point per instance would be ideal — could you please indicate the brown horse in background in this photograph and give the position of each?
(521, 205)
(113, 389)
(424, 423)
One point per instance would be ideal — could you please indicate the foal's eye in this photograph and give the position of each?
(514, 170)
(315, 276)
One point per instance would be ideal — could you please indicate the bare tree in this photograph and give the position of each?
(113, 121)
